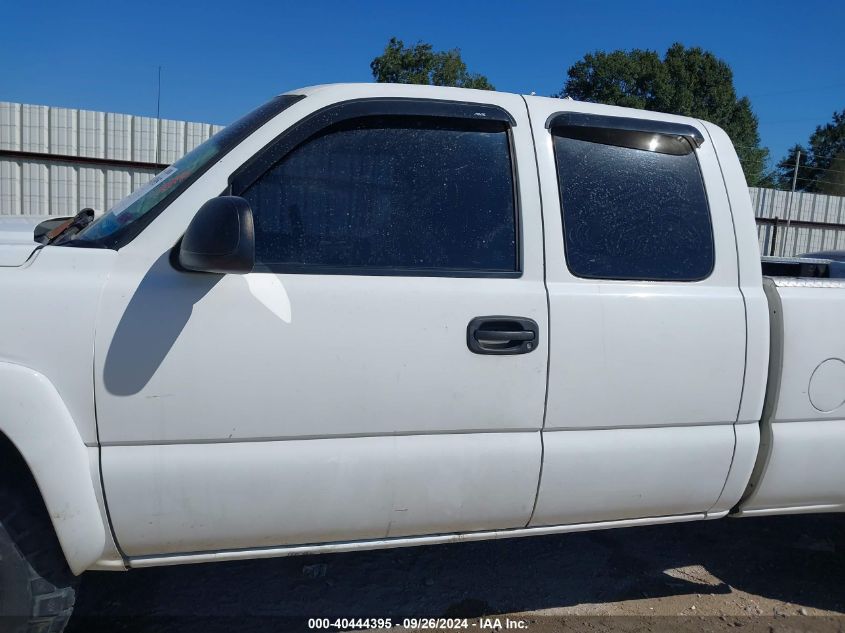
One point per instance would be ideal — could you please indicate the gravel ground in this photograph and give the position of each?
(768, 574)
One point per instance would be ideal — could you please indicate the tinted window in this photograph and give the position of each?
(631, 211)
(390, 194)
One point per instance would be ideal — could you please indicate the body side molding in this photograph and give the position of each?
(408, 541)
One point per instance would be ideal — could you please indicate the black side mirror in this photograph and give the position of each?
(220, 238)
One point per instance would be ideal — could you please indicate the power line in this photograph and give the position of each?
(837, 171)
(826, 182)
(782, 121)
(748, 146)
(803, 166)
(832, 156)
(758, 147)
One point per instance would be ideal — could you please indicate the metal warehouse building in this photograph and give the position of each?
(56, 161)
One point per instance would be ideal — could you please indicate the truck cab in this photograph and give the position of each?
(387, 315)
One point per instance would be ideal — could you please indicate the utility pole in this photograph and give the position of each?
(158, 106)
(791, 195)
(158, 119)
(794, 172)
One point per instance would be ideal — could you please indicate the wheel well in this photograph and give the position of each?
(52, 465)
(25, 520)
(16, 478)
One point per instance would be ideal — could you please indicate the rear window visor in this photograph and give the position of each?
(662, 137)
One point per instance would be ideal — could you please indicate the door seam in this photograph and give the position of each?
(548, 314)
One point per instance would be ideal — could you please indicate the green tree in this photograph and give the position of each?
(827, 157)
(687, 81)
(833, 180)
(822, 166)
(784, 170)
(421, 64)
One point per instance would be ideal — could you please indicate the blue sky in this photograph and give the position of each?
(222, 58)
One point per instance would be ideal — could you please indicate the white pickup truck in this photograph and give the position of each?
(369, 316)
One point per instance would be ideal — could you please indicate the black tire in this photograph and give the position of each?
(37, 590)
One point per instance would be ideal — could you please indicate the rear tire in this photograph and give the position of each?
(37, 590)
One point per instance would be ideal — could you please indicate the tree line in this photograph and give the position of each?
(687, 81)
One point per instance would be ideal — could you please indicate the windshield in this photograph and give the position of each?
(127, 218)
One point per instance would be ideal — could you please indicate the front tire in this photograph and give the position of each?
(37, 590)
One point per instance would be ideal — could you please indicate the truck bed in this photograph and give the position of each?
(799, 467)
(803, 267)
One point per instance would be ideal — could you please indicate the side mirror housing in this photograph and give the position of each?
(220, 238)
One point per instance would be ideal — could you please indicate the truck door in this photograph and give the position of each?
(647, 320)
(335, 394)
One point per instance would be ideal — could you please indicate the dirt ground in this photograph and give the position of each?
(768, 574)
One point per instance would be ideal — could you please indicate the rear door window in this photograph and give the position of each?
(633, 205)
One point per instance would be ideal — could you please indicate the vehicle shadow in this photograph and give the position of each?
(137, 348)
(798, 559)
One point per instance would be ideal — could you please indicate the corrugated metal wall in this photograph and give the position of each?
(56, 161)
(810, 207)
